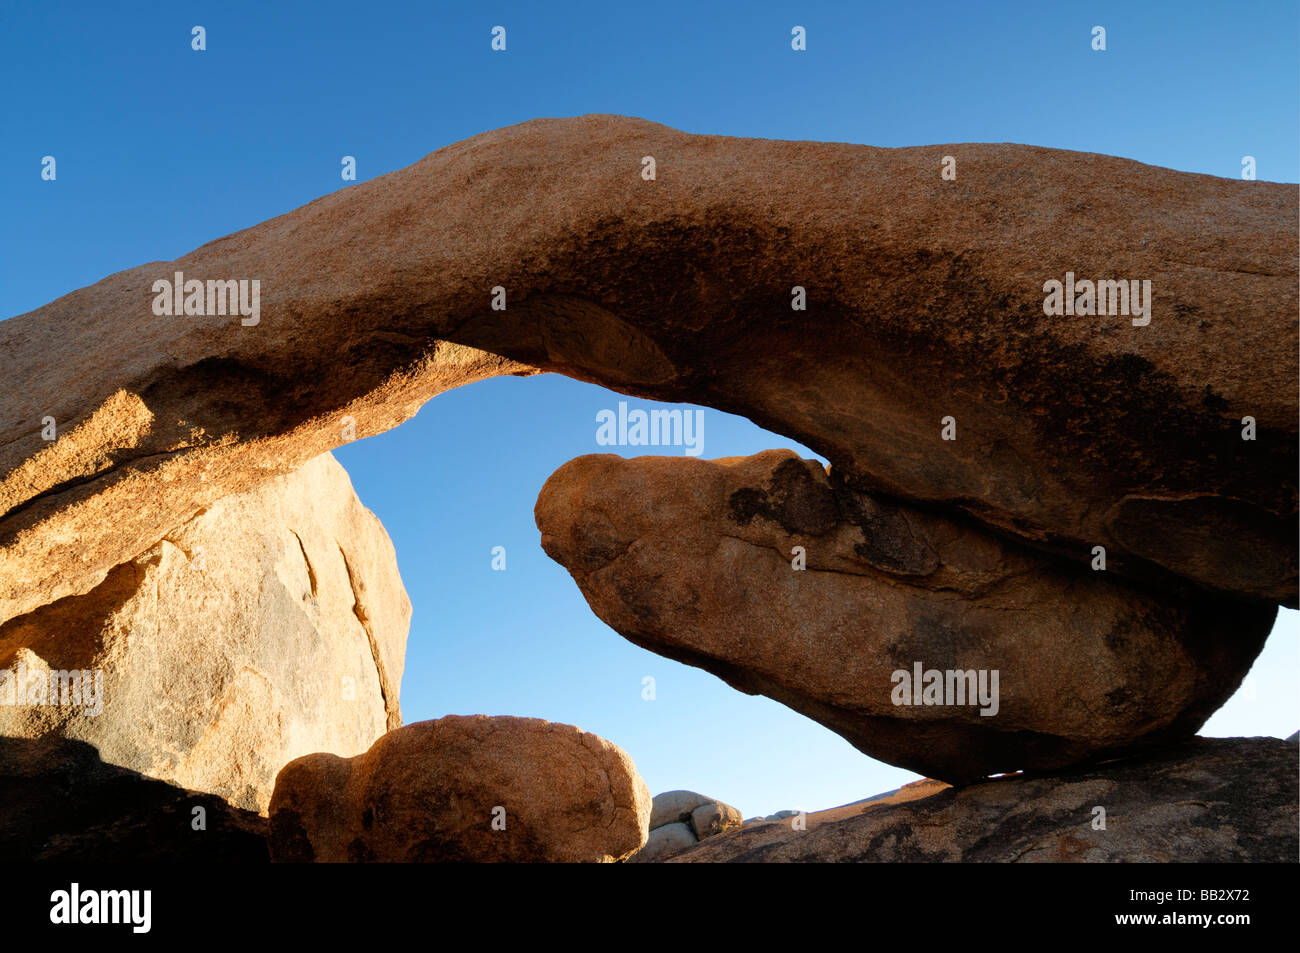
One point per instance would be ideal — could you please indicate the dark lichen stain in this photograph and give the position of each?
(888, 543)
(795, 499)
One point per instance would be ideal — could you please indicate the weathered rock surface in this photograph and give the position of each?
(1204, 801)
(924, 300)
(60, 802)
(692, 559)
(431, 791)
(272, 625)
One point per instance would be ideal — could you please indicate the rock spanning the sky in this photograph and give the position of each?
(924, 317)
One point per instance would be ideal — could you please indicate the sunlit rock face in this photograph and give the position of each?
(270, 626)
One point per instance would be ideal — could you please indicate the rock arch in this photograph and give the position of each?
(924, 300)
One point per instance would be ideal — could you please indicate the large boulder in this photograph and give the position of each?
(925, 300)
(464, 789)
(1204, 801)
(697, 560)
(272, 625)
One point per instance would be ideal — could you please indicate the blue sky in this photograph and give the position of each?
(160, 148)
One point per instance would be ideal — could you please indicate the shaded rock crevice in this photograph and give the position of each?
(387, 690)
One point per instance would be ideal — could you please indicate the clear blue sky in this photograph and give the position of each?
(160, 149)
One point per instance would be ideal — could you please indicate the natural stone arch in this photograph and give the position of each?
(924, 300)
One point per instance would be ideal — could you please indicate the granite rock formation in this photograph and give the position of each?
(269, 626)
(982, 448)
